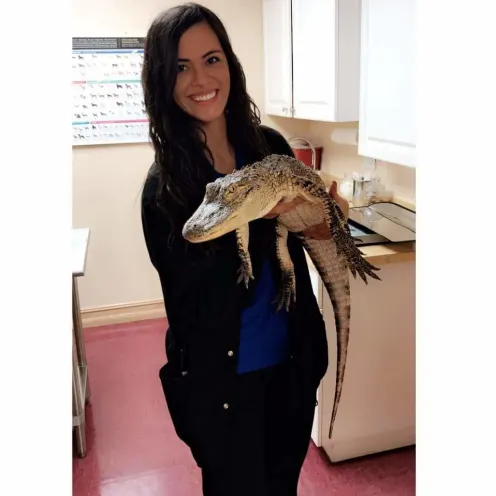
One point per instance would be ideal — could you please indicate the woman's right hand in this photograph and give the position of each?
(282, 207)
(320, 231)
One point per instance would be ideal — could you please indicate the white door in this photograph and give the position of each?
(387, 106)
(277, 57)
(314, 59)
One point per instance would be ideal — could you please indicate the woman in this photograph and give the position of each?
(240, 379)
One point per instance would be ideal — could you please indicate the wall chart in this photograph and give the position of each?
(108, 104)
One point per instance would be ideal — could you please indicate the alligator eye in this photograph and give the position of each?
(231, 189)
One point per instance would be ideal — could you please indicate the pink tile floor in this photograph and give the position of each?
(133, 449)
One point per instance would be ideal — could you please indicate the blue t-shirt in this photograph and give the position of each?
(263, 333)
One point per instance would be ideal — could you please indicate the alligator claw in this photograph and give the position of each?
(245, 273)
(287, 294)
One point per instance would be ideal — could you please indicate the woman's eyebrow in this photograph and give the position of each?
(210, 52)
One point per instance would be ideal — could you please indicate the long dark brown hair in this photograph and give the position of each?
(179, 145)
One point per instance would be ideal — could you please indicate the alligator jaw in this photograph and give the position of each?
(196, 231)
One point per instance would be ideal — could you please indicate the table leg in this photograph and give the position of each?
(78, 332)
(78, 404)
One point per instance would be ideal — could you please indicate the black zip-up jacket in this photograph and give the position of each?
(203, 303)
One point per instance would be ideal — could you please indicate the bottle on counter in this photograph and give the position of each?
(346, 187)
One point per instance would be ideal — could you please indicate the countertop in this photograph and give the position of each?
(389, 253)
(382, 254)
(386, 254)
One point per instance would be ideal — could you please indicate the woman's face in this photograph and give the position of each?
(203, 81)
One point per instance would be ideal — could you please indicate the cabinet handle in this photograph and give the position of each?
(285, 110)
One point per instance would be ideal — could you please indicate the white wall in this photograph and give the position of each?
(339, 158)
(107, 179)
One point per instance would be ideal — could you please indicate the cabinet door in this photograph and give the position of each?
(326, 59)
(377, 408)
(387, 101)
(277, 57)
(314, 59)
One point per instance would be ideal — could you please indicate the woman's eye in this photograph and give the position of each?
(212, 60)
(181, 67)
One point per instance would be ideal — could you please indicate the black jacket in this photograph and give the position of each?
(203, 303)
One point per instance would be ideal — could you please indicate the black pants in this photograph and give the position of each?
(268, 439)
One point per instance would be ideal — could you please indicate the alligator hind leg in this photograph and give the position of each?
(245, 271)
(287, 293)
(345, 244)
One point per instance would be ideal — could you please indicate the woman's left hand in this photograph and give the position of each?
(321, 231)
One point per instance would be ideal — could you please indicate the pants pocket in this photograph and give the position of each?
(175, 387)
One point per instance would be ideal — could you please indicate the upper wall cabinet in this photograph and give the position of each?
(387, 86)
(312, 59)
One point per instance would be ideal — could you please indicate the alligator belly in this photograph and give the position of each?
(303, 216)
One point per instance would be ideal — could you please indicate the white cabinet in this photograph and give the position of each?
(377, 408)
(387, 86)
(312, 59)
(277, 57)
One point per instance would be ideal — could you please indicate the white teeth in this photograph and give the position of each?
(204, 98)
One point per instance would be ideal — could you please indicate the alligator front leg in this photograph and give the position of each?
(288, 287)
(245, 271)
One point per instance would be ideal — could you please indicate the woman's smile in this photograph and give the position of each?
(205, 98)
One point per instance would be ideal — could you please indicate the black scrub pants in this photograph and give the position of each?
(268, 437)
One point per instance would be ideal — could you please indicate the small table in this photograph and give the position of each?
(80, 383)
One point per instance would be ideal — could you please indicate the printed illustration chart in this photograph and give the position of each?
(108, 106)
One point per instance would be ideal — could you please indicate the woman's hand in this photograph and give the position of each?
(281, 207)
(320, 231)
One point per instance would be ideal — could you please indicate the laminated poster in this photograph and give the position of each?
(107, 97)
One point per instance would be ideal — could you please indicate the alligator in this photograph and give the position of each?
(233, 201)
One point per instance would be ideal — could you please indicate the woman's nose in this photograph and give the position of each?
(200, 76)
